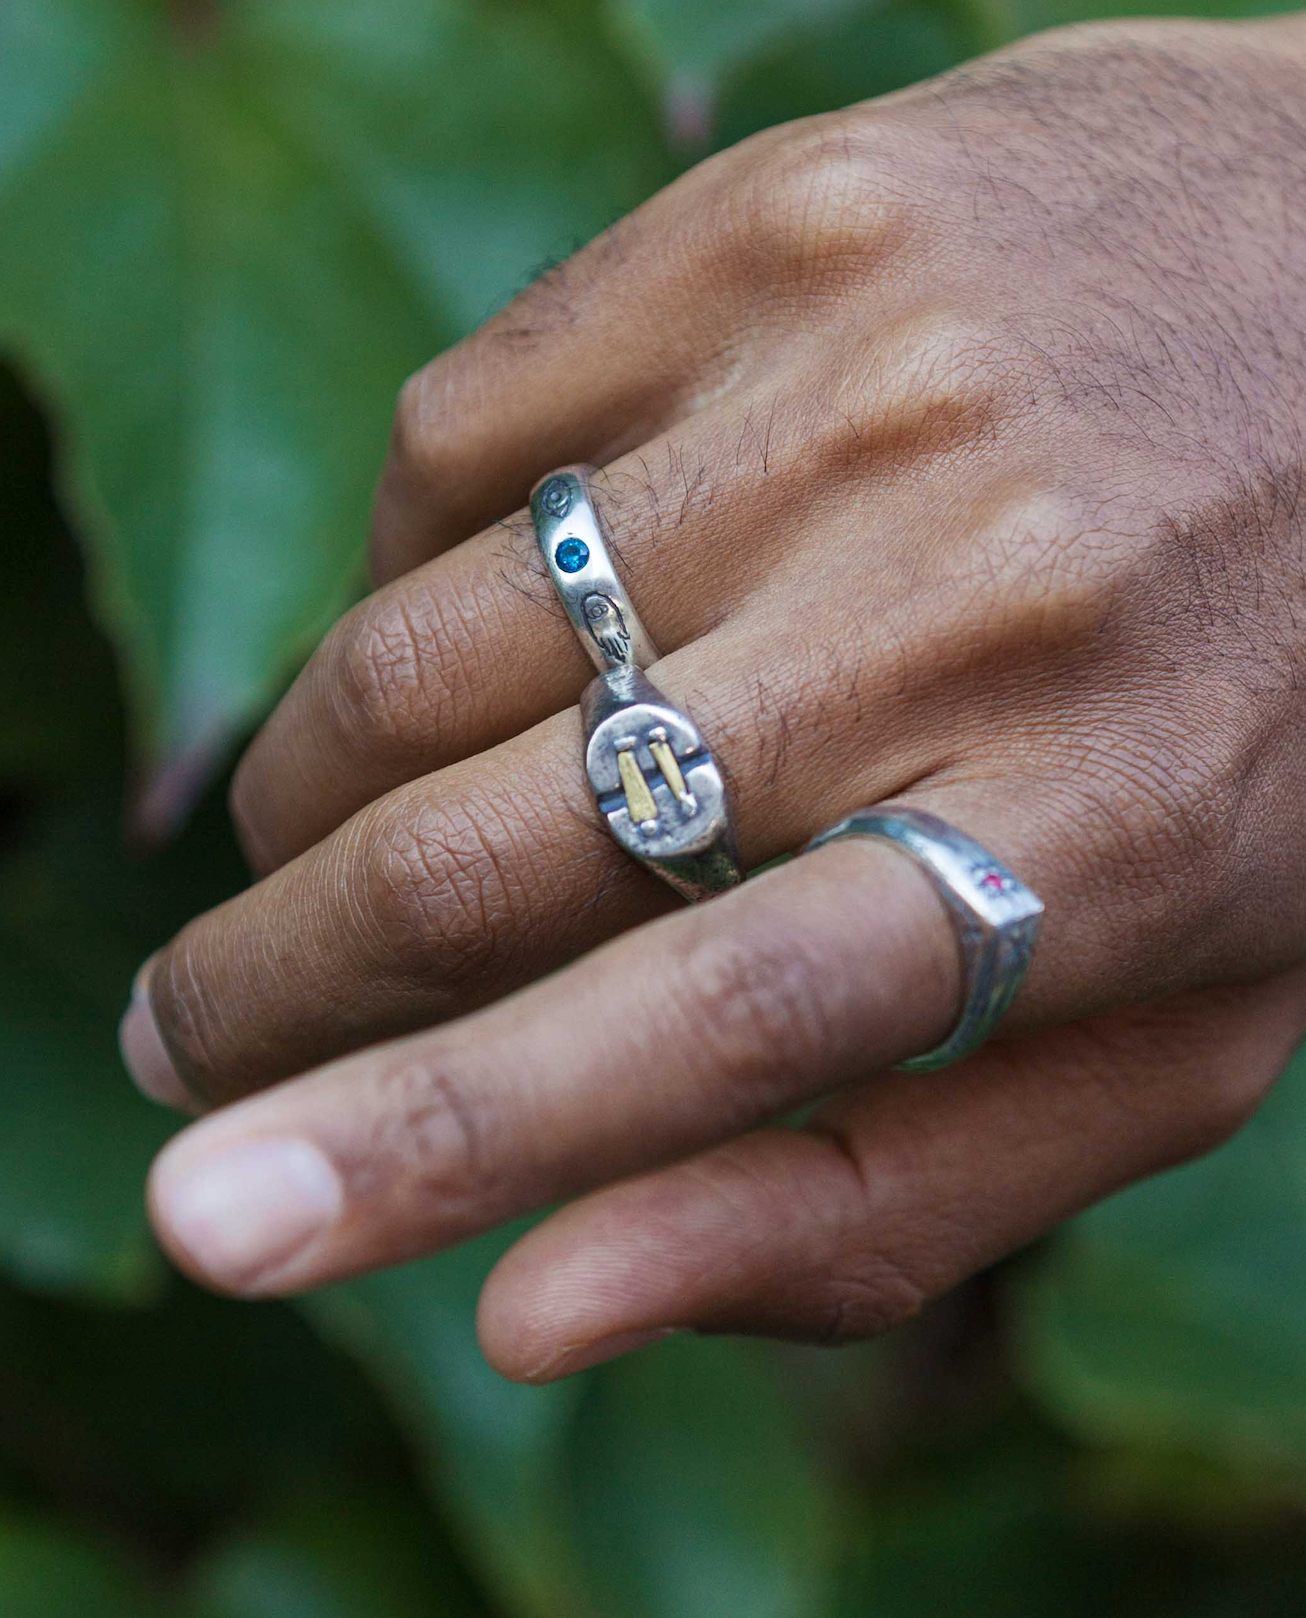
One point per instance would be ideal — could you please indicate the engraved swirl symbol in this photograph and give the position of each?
(607, 626)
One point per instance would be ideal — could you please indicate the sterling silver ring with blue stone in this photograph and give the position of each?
(576, 553)
(660, 792)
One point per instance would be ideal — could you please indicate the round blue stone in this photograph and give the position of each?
(572, 555)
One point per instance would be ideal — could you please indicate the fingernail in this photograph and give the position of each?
(243, 1214)
(143, 1052)
(581, 1356)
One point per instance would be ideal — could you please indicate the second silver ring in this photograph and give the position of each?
(580, 563)
(660, 792)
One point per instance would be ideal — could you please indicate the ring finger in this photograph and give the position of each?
(473, 648)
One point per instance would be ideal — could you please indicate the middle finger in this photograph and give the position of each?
(473, 648)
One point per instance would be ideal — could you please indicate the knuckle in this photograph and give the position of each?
(1047, 573)
(435, 440)
(863, 1299)
(1237, 1080)
(852, 1285)
(195, 1032)
(757, 1009)
(1037, 591)
(438, 1132)
(373, 673)
(250, 812)
(947, 351)
(1159, 822)
(817, 207)
(1227, 1101)
(1223, 558)
(1224, 1079)
(393, 673)
(441, 888)
(415, 437)
(1180, 805)
(1146, 823)
(1169, 1078)
(939, 380)
(883, 1270)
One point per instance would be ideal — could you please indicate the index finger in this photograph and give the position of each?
(604, 351)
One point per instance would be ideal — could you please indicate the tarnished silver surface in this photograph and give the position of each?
(656, 784)
(580, 564)
(996, 917)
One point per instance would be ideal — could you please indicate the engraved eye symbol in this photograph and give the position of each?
(555, 497)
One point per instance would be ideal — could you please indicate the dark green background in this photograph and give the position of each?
(228, 229)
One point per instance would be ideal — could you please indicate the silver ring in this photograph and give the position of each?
(657, 786)
(996, 917)
(571, 541)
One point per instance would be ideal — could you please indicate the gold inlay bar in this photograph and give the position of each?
(639, 799)
(665, 760)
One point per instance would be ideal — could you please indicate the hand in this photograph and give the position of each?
(953, 445)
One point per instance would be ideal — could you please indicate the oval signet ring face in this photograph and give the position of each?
(657, 785)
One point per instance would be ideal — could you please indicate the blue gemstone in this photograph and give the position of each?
(572, 555)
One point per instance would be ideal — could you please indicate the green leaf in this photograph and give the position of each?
(990, 1537)
(1173, 1316)
(59, 710)
(686, 37)
(360, 1553)
(1010, 1531)
(77, 918)
(853, 55)
(696, 1494)
(227, 232)
(667, 1486)
(170, 1415)
(1034, 14)
(50, 1571)
(76, 1142)
(494, 1451)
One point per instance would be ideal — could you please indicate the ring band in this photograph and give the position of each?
(657, 786)
(571, 541)
(996, 917)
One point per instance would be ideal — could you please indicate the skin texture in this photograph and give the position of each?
(952, 446)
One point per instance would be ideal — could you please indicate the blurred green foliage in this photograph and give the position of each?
(228, 229)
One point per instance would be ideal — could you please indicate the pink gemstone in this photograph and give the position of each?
(992, 881)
